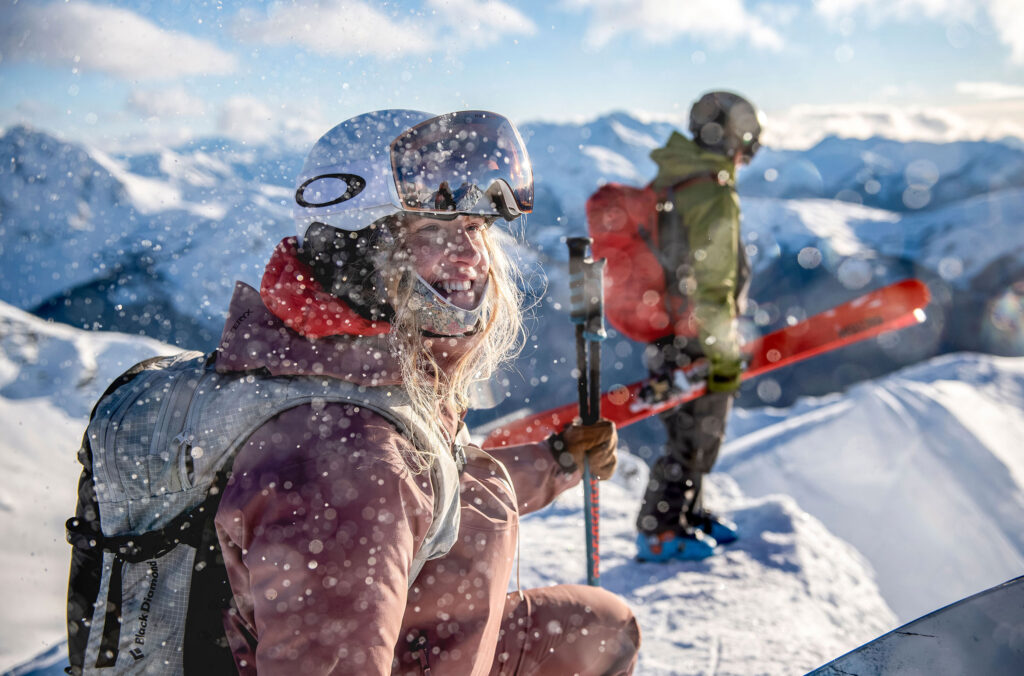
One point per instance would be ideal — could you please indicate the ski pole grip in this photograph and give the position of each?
(577, 293)
(593, 290)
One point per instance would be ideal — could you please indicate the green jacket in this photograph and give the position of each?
(711, 213)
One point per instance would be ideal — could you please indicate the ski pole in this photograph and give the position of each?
(578, 315)
(594, 333)
(593, 330)
(586, 293)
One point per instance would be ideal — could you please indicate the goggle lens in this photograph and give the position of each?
(465, 162)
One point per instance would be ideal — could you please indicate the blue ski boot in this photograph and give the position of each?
(669, 546)
(721, 529)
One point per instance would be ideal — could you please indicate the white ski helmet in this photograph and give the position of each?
(724, 122)
(389, 161)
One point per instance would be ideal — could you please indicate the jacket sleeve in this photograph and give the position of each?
(536, 476)
(713, 219)
(319, 526)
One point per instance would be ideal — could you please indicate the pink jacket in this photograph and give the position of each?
(321, 519)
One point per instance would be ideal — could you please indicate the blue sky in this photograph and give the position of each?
(166, 70)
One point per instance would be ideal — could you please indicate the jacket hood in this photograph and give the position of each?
(681, 158)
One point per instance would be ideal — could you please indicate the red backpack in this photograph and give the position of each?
(623, 223)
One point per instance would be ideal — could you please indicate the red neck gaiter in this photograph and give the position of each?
(290, 292)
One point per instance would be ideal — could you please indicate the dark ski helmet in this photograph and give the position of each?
(388, 162)
(724, 122)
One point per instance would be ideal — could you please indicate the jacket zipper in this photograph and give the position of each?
(419, 648)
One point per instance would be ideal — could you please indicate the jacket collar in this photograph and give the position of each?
(255, 338)
(681, 158)
(290, 292)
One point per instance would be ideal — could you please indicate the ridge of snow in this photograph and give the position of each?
(148, 195)
(921, 471)
(50, 376)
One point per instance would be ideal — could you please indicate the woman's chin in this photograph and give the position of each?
(464, 300)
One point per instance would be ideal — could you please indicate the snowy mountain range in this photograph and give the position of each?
(153, 242)
(885, 481)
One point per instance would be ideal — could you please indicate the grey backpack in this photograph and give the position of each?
(148, 590)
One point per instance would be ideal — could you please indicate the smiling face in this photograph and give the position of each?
(451, 256)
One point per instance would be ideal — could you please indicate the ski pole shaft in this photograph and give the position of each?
(591, 493)
(594, 333)
(580, 305)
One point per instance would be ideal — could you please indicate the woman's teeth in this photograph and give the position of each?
(452, 286)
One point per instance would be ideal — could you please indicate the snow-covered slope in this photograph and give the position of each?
(937, 458)
(782, 600)
(923, 472)
(61, 214)
(50, 376)
(150, 243)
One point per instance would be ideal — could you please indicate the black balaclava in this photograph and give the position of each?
(345, 264)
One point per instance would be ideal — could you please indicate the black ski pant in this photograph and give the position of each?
(694, 434)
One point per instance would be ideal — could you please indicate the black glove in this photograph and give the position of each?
(724, 374)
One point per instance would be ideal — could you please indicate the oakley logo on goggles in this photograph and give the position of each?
(465, 162)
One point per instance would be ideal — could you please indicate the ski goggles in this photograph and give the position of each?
(465, 162)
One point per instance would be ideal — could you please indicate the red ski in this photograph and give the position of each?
(892, 307)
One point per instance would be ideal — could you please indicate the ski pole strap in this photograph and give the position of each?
(578, 247)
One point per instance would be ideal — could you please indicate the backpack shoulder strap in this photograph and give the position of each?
(217, 413)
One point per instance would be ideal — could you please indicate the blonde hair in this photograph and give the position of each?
(435, 388)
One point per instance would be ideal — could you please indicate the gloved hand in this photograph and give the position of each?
(724, 374)
(598, 442)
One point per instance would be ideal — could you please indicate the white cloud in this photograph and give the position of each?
(170, 102)
(661, 21)
(1006, 16)
(296, 125)
(803, 126)
(247, 119)
(335, 27)
(990, 91)
(107, 39)
(357, 28)
(480, 23)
